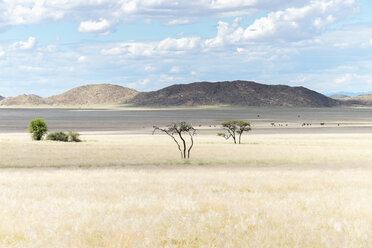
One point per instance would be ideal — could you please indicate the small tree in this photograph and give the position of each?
(176, 132)
(38, 128)
(235, 128)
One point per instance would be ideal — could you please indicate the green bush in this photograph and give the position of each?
(73, 136)
(38, 128)
(58, 136)
(61, 136)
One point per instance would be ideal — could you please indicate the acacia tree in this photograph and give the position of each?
(176, 132)
(234, 129)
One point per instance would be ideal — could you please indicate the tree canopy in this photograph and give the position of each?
(176, 132)
(234, 129)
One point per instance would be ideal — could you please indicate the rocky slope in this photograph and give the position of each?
(234, 93)
(23, 100)
(98, 94)
(104, 94)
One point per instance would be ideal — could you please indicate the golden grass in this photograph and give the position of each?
(292, 190)
(220, 206)
(117, 150)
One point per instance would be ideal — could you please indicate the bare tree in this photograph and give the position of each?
(176, 132)
(234, 129)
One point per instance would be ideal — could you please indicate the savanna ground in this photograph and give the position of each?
(286, 186)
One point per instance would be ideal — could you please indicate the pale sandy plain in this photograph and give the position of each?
(285, 186)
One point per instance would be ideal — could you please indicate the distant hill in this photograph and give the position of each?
(93, 94)
(364, 100)
(22, 100)
(104, 94)
(1, 98)
(244, 93)
(339, 96)
(233, 93)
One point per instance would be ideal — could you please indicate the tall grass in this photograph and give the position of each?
(186, 207)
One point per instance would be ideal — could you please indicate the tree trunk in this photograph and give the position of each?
(192, 144)
(234, 138)
(184, 144)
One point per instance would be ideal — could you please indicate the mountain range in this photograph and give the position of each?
(245, 93)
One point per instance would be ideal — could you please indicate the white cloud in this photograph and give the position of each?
(166, 46)
(289, 25)
(175, 69)
(111, 12)
(181, 44)
(82, 59)
(2, 52)
(178, 22)
(298, 23)
(101, 26)
(31, 68)
(25, 45)
(150, 68)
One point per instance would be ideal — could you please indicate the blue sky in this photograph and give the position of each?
(48, 47)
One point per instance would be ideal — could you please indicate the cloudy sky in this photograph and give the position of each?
(49, 46)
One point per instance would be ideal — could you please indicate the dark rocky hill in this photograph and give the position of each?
(1, 98)
(233, 93)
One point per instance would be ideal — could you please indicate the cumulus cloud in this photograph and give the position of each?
(298, 23)
(102, 26)
(170, 12)
(290, 24)
(25, 45)
(166, 46)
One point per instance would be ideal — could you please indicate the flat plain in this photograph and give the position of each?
(287, 185)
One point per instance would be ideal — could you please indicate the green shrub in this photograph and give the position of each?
(73, 136)
(58, 136)
(62, 136)
(38, 128)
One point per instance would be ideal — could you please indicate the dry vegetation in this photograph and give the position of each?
(185, 207)
(340, 150)
(273, 191)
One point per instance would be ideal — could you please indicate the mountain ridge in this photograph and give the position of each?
(233, 93)
(239, 92)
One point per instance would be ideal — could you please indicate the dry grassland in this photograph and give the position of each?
(185, 207)
(273, 191)
(118, 150)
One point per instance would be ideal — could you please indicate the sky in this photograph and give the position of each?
(50, 46)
